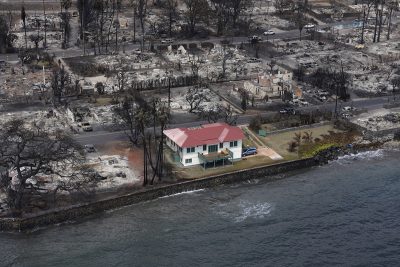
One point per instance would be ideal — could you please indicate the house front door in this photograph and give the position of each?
(212, 148)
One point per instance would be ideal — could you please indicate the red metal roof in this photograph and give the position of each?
(207, 134)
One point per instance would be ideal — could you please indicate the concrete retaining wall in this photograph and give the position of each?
(77, 212)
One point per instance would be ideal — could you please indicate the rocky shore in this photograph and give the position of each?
(335, 152)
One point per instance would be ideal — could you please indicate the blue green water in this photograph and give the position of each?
(346, 213)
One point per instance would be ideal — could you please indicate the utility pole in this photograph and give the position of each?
(134, 23)
(169, 92)
(83, 28)
(45, 26)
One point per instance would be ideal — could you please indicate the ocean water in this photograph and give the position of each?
(346, 213)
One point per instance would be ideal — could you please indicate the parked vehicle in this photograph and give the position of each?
(303, 102)
(89, 148)
(269, 32)
(167, 41)
(348, 109)
(288, 110)
(86, 127)
(346, 115)
(249, 151)
(253, 60)
(255, 38)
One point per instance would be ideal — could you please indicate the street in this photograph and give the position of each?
(102, 137)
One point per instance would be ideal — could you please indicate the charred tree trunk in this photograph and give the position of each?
(389, 24)
(376, 21)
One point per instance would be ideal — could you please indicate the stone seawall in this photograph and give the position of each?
(79, 211)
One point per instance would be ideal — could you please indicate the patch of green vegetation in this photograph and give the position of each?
(337, 139)
(248, 140)
(315, 149)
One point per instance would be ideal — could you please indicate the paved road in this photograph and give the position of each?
(75, 51)
(101, 137)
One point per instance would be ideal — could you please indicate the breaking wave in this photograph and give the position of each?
(184, 193)
(255, 211)
(367, 155)
(245, 210)
(252, 181)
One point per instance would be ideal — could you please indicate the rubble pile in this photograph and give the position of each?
(383, 120)
(50, 120)
(20, 83)
(112, 171)
(369, 75)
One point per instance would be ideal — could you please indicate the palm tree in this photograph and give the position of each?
(307, 137)
(36, 39)
(23, 18)
(116, 26)
(45, 25)
(297, 138)
(392, 6)
(65, 18)
(66, 4)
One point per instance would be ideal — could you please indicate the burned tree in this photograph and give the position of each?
(244, 95)
(396, 86)
(171, 8)
(138, 116)
(237, 7)
(226, 54)
(26, 153)
(60, 80)
(221, 11)
(366, 8)
(196, 11)
(141, 6)
(195, 98)
(220, 113)
(127, 112)
(65, 21)
(337, 82)
(86, 17)
(36, 39)
(160, 118)
(300, 20)
(6, 37)
(392, 6)
(23, 18)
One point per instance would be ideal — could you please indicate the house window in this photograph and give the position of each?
(221, 145)
(188, 160)
(190, 149)
(204, 147)
(233, 144)
(212, 148)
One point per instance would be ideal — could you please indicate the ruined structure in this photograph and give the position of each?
(270, 84)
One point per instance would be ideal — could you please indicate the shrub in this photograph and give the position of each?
(397, 136)
(292, 146)
(255, 124)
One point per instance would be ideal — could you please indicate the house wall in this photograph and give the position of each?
(184, 155)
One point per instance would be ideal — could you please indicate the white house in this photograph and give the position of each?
(209, 143)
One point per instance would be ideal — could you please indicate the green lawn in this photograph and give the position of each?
(280, 141)
(194, 172)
